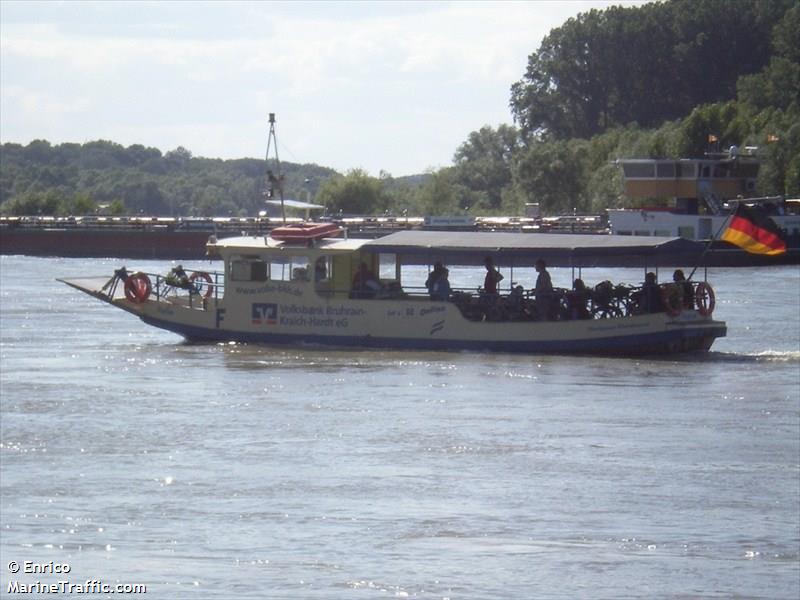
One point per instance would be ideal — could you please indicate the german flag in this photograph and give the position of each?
(753, 231)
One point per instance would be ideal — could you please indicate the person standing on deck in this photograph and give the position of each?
(544, 291)
(493, 277)
(687, 293)
(651, 295)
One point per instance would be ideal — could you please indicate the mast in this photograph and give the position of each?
(275, 181)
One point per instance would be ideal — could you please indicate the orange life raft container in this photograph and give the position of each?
(304, 232)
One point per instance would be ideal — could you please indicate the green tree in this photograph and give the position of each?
(554, 175)
(34, 203)
(483, 164)
(178, 158)
(780, 169)
(786, 33)
(778, 85)
(644, 64)
(116, 207)
(355, 193)
(80, 204)
(439, 195)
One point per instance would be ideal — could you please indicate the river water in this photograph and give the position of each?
(232, 471)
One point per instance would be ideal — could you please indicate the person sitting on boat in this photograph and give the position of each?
(320, 269)
(365, 284)
(649, 297)
(545, 297)
(686, 288)
(577, 301)
(437, 283)
(516, 305)
(177, 277)
(493, 277)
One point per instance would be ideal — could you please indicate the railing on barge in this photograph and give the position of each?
(366, 226)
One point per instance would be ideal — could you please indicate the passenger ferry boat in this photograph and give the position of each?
(308, 286)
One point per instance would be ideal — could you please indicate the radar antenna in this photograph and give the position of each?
(275, 181)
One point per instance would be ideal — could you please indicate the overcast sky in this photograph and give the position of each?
(392, 86)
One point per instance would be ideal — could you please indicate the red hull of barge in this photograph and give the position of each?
(183, 245)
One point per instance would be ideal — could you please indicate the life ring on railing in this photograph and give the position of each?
(672, 299)
(137, 287)
(704, 299)
(205, 277)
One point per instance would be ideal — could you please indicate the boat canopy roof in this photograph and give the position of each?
(470, 247)
(583, 249)
(258, 243)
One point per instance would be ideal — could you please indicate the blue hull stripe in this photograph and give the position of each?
(680, 339)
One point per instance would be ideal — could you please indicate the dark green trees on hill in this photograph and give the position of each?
(642, 65)
(74, 178)
(657, 80)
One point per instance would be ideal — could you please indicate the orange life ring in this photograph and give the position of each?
(137, 288)
(704, 299)
(207, 278)
(671, 298)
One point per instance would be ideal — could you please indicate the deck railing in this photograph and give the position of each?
(204, 289)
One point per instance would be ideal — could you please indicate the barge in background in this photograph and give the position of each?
(704, 194)
(184, 238)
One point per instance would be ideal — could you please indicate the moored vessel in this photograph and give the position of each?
(703, 194)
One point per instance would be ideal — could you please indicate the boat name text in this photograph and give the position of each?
(281, 288)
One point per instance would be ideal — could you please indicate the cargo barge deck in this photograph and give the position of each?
(186, 238)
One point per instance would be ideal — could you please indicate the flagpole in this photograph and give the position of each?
(714, 237)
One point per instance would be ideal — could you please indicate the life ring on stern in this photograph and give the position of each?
(671, 298)
(138, 288)
(704, 299)
(209, 284)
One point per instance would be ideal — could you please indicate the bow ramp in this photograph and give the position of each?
(100, 286)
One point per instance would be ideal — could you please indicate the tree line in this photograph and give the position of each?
(658, 81)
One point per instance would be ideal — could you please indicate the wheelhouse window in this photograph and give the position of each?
(388, 266)
(687, 170)
(323, 268)
(248, 270)
(642, 170)
(665, 169)
(292, 268)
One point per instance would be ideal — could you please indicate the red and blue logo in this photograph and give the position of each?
(264, 313)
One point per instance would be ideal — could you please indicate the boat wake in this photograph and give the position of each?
(783, 356)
